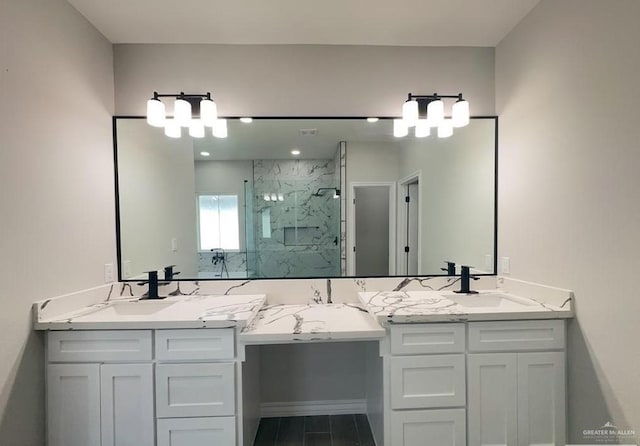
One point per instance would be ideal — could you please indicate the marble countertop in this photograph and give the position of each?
(401, 307)
(314, 322)
(193, 311)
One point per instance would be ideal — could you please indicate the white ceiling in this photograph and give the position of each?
(332, 22)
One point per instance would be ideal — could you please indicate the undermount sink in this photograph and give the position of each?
(488, 300)
(128, 310)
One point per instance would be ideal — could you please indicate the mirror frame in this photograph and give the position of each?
(115, 119)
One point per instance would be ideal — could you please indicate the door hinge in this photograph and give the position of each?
(354, 249)
(407, 199)
(406, 249)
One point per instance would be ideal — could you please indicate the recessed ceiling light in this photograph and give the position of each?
(295, 152)
(205, 153)
(246, 120)
(372, 119)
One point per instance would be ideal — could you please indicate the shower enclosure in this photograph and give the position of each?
(292, 217)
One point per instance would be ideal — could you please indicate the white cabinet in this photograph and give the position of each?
(541, 398)
(197, 431)
(195, 390)
(516, 399)
(444, 427)
(420, 382)
(126, 394)
(73, 405)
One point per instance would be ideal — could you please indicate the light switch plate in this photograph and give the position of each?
(127, 269)
(505, 265)
(174, 244)
(109, 273)
(488, 262)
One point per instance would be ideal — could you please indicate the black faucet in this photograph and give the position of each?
(465, 276)
(153, 286)
(169, 273)
(450, 269)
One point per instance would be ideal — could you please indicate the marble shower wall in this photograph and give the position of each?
(304, 233)
(236, 263)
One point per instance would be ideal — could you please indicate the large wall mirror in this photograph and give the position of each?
(305, 197)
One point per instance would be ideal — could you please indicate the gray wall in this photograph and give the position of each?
(567, 95)
(57, 225)
(303, 80)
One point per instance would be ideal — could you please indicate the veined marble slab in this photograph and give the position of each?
(317, 322)
(402, 307)
(173, 312)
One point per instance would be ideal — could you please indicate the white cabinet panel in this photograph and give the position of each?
(500, 336)
(412, 339)
(492, 399)
(197, 431)
(198, 344)
(541, 399)
(127, 405)
(427, 381)
(195, 390)
(73, 405)
(99, 345)
(445, 427)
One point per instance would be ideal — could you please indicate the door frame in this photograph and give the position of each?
(351, 224)
(402, 219)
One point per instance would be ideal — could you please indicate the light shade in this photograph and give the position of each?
(220, 128)
(410, 113)
(246, 120)
(445, 128)
(423, 128)
(280, 197)
(460, 114)
(274, 197)
(267, 197)
(182, 112)
(435, 112)
(172, 128)
(400, 128)
(156, 114)
(208, 112)
(196, 128)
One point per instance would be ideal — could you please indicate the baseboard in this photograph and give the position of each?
(306, 408)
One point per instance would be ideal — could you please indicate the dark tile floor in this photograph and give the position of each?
(324, 430)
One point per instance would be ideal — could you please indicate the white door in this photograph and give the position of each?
(73, 405)
(541, 398)
(441, 427)
(219, 431)
(411, 246)
(127, 404)
(492, 399)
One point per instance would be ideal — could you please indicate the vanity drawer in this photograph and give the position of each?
(195, 390)
(99, 345)
(417, 339)
(499, 336)
(444, 427)
(197, 431)
(422, 382)
(196, 344)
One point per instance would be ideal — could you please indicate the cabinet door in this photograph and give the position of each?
(541, 398)
(421, 382)
(219, 431)
(195, 390)
(73, 405)
(492, 399)
(441, 427)
(127, 404)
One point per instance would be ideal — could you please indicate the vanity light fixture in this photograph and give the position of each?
(246, 120)
(426, 111)
(194, 111)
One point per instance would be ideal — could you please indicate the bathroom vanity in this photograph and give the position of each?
(484, 369)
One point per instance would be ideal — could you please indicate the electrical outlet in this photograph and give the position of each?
(127, 269)
(505, 265)
(109, 273)
(174, 244)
